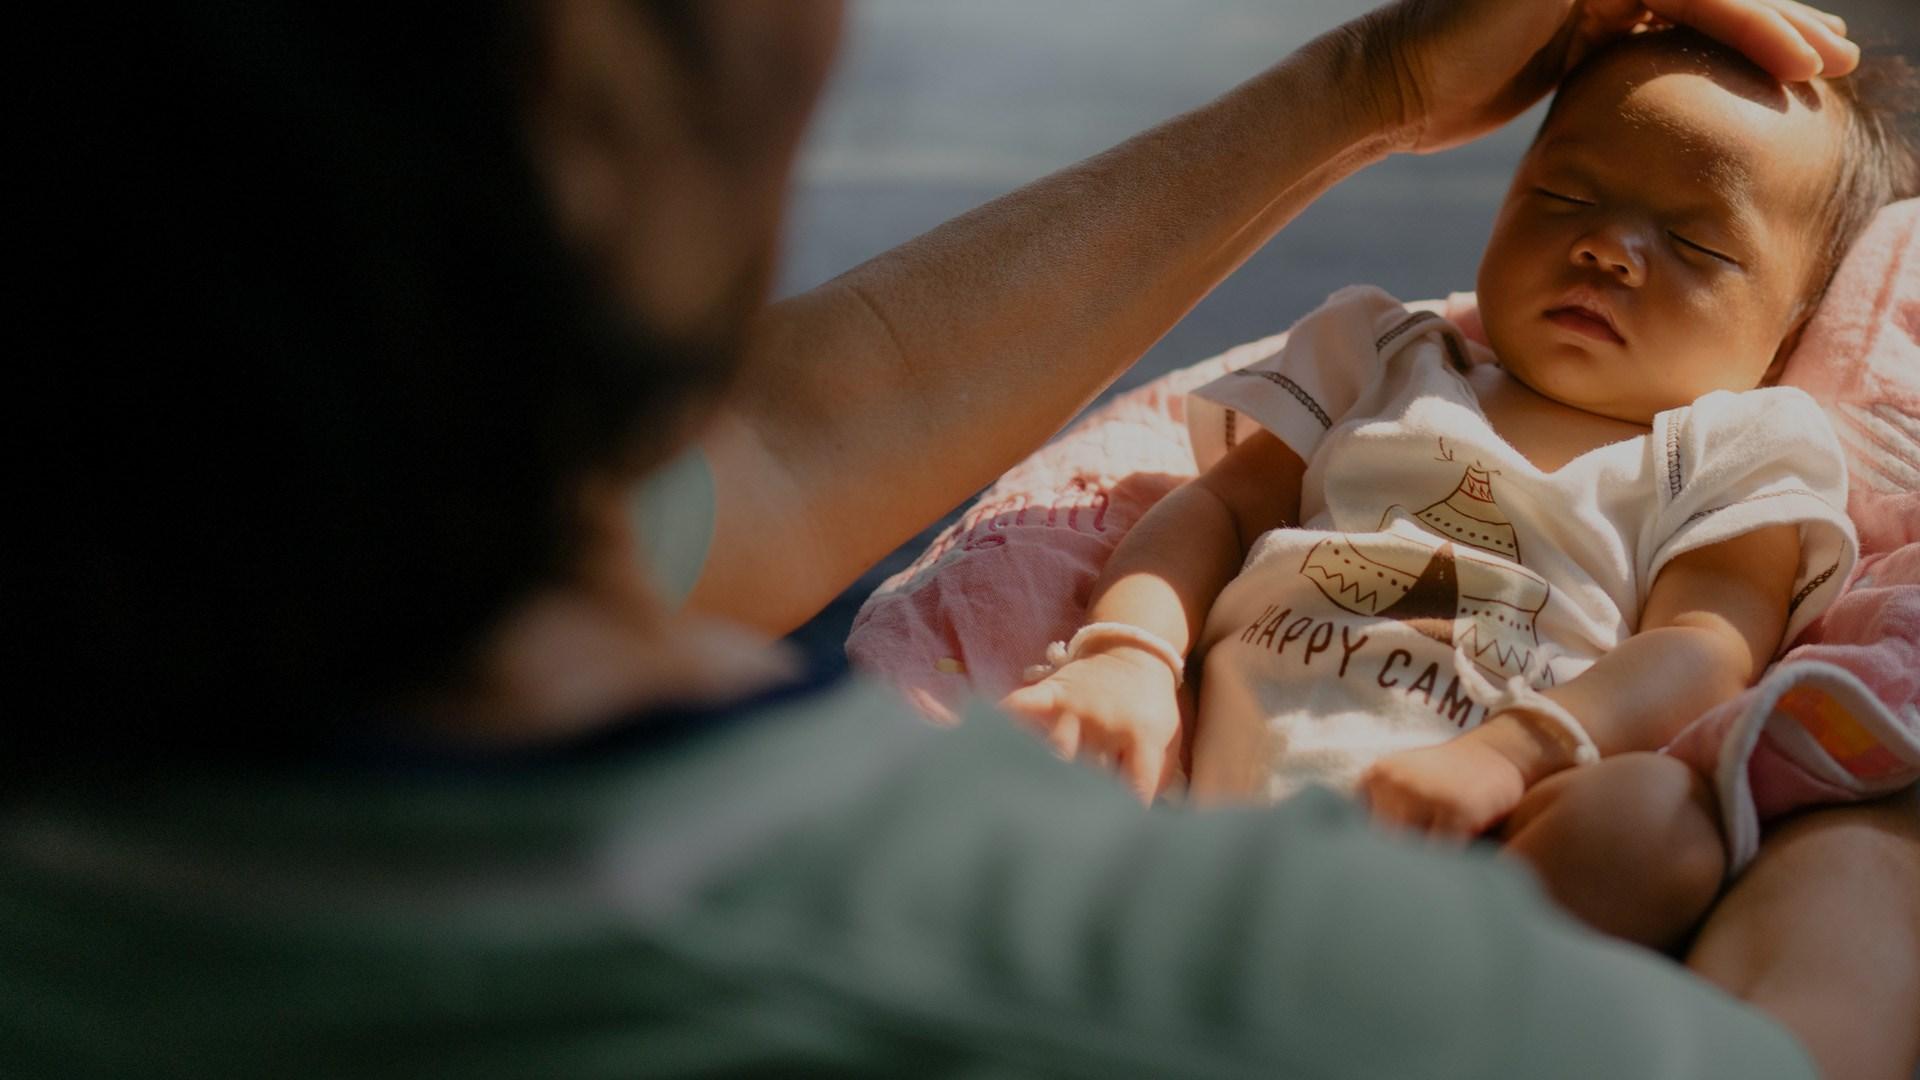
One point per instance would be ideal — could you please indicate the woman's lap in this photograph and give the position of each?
(1823, 932)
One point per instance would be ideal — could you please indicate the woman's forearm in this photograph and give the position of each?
(880, 400)
(939, 364)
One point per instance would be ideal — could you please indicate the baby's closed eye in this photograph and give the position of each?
(1703, 249)
(1562, 197)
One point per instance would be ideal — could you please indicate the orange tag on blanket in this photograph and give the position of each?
(1851, 745)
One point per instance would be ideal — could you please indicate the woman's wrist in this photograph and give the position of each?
(1330, 103)
(1372, 83)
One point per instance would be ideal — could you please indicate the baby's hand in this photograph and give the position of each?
(1118, 707)
(1458, 789)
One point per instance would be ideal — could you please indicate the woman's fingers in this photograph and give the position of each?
(1826, 33)
(1788, 39)
(1827, 18)
(1754, 27)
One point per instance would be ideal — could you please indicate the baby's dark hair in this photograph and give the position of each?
(1879, 158)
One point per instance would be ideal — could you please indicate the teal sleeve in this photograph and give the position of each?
(987, 897)
(825, 887)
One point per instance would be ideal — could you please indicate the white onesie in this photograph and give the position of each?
(1434, 563)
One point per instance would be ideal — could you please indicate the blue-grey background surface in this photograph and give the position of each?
(940, 105)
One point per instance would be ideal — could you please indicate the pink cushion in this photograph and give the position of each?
(1014, 573)
(981, 604)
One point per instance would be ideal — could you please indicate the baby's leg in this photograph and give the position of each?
(1631, 845)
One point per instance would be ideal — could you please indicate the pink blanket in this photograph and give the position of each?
(1835, 718)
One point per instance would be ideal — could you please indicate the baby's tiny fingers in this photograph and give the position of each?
(1039, 713)
(1108, 746)
(1403, 817)
(1144, 767)
(1065, 736)
(1039, 699)
(1452, 824)
(1386, 803)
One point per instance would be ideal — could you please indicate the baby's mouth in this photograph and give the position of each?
(1586, 322)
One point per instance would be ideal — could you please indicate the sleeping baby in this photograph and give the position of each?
(1481, 587)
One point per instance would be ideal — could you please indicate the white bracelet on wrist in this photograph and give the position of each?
(1061, 653)
(1519, 698)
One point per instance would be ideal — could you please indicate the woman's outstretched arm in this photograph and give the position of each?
(878, 401)
(881, 399)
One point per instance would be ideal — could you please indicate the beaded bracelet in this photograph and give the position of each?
(1061, 653)
(1523, 700)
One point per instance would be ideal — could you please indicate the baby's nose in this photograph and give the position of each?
(1590, 257)
(1610, 256)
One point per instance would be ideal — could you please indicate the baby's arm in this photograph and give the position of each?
(1712, 621)
(1116, 701)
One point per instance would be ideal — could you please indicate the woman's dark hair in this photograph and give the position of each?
(324, 419)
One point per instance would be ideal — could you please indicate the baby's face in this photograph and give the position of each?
(1659, 236)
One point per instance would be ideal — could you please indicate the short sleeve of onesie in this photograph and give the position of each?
(1733, 463)
(1329, 361)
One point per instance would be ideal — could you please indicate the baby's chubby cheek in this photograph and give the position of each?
(1730, 346)
(1676, 376)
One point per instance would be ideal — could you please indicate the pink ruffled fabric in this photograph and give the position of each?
(1834, 719)
(1014, 573)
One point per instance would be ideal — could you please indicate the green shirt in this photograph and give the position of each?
(811, 882)
(826, 883)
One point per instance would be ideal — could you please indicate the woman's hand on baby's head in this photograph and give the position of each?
(1457, 790)
(1442, 72)
(1117, 707)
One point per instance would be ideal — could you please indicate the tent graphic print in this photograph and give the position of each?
(1465, 589)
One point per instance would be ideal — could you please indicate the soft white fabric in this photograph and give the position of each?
(1434, 562)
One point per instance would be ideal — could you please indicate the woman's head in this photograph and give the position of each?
(1676, 221)
(372, 299)
(666, 132)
